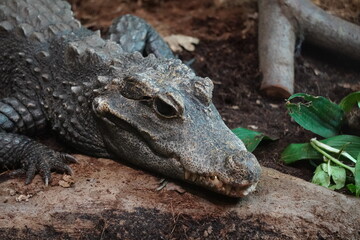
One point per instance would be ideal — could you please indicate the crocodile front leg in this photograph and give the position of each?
(20, 151)
(135, 34)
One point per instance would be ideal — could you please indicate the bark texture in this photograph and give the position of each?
(111, 201)
(280, 22)
(276, 48)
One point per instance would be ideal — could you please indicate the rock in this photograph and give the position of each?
(123, 204)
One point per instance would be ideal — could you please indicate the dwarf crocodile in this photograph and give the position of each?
(123, 97)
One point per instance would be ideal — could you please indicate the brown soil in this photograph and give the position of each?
(228, 54)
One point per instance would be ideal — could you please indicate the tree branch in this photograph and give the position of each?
(280, 21)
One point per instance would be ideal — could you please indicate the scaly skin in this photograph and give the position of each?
(107, 100)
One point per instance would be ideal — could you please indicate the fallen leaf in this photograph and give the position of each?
(178, 42)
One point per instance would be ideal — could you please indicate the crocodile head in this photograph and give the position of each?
(159, 115)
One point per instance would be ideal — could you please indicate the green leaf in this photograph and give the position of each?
(351, 100)
(300, 151)
(354, 189)
(325, 168)
(321, 177)
(338, 175)
(357, 176)
(250, 138)
(317, 114)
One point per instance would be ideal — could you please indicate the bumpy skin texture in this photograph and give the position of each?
(134, 34)
(108, 100)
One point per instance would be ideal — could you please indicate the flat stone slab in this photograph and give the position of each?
(109, 200)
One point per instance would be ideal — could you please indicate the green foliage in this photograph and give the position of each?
(351, 100)
(299, 151)
(317, 114)
(355, 188)
(326, 172)
(321, 177)
(325, 118)
(338, 175)
(250, 138)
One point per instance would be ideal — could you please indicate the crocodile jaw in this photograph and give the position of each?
(173, 166)
(214, 183)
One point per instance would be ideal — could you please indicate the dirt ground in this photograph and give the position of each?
(227, 53)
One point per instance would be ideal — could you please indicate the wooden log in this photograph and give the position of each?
(280, 22)
(276, 50)
(322, 28)
(112, 201)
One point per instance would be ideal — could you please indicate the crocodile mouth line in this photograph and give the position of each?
(209, 181)
(214, 183)
(125, 126)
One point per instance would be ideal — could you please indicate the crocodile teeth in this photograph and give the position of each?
(249, 189)
(217, 182)
(187, 175)
(193, 177)
(213, 182)
(227, 189)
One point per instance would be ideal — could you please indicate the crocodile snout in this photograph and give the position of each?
(244, 167)
(236, 176)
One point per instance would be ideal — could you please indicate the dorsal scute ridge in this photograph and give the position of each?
(136, 60)
(47, 17)
(6, 26)
(91, 49)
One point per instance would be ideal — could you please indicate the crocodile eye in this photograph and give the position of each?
(164, 109)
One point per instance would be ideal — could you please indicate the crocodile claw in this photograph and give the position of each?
(43, 160)
(69, 158)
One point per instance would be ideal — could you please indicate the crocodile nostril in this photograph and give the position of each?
(239, 158)
(229, 162)
(243, 165)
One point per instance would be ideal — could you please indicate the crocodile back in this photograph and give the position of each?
(38, 19)
(47, 57)
(26, 29)
(38, 37)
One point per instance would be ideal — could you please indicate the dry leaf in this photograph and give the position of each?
(179, 42)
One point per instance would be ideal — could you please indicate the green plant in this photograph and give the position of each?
(250, 138)
(338, 154)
